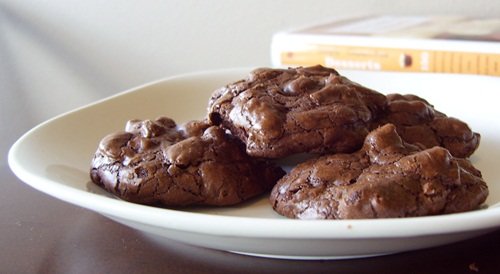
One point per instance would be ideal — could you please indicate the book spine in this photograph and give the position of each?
(389, 59)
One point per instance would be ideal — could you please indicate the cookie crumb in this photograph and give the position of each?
(473, 267)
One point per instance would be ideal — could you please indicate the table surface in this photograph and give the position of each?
(41, 234)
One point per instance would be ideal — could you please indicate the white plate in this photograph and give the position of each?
(54, 158)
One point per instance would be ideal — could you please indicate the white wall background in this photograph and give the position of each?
(56, 55)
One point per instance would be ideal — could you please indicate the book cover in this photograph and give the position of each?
(442, 44)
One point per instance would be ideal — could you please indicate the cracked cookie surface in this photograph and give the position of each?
(417, 122)
(157, 162)
(386, 178)
(279, 112)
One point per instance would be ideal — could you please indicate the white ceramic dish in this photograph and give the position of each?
(54, 158)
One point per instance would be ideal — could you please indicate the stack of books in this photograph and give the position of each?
(440, 44)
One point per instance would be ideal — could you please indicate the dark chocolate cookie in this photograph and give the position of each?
(279, 112)
(159, 163)
(417, 122)
(386, 178)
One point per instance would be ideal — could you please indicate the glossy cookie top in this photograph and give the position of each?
(278, 112)
(157, 162)
(386, 178)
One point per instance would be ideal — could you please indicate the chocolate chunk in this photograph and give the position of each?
(386, 178)
(160, 163)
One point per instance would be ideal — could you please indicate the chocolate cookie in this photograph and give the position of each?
(386, 178)
(157, 162)
(417, 122)
(279, 112)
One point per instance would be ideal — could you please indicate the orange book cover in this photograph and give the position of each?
(442, 44)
